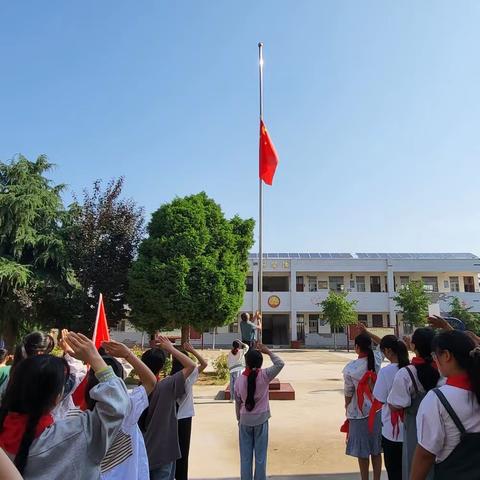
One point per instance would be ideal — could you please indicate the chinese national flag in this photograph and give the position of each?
(100, 334)
(268, 158)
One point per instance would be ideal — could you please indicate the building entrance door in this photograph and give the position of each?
(276, 329)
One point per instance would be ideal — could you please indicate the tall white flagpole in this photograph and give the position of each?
(260, 194)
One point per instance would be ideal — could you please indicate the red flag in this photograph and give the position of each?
(100, 334)
(268, 158)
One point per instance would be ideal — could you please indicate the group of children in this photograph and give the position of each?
(423, 413)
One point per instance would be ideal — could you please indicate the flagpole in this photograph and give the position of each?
(260, 195)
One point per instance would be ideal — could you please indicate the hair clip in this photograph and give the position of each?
(475, 352)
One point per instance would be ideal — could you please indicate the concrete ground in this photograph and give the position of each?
(305, 441)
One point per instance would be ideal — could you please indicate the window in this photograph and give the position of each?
(362, 318)
(275, 284)
(300, 284)
(375, 285)
(454, 284)
(233, 327)
(249, 284)
(404, 281)
(313, 323)
(312, 284)
(430, 284)
(360, 284)
(469, 284)
(336, 284)
(322, 285)
(377, 320)
(300, 328)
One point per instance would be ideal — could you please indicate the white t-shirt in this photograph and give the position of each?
(381, 390)
(127, 456)
(352, 374)
(435, 428)
(236, 363)
(186, 408)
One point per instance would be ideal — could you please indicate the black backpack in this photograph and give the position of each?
(462, 463)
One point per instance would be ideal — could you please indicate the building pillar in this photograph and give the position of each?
(293, 309)
(391, 295)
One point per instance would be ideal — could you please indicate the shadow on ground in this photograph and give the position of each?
(317, 476)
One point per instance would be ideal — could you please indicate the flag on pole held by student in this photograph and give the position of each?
(100, 334)
(268, 157)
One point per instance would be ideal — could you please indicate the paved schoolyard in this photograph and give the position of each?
(305, 441)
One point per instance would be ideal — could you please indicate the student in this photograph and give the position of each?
(410, 386)
(359, 379)
(248, 329)
(186, 410)
(4, 368)
(392, 426)
(159, 422)
(236, 363)
(127, 456)
(253, 411)
(448, 419)
(44, 449)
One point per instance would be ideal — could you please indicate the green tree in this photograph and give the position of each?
(339, 312)
(459, 310)
(191, 269)
(103, 235)
(413, 301)
(34, 268)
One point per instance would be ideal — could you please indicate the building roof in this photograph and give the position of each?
(372, 256)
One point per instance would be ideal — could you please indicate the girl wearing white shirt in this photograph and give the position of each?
(359, 377)
(448, 420)
(186, 410)
(392, 426)
(236, 363)
(409, 387)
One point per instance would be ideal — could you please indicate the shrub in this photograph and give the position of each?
(221, 367)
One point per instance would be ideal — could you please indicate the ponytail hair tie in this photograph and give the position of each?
(475, 353)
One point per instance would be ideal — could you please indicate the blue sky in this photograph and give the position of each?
(374, 108)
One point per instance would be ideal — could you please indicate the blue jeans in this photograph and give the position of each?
(165, 472)
(253, 440)
(233, 379)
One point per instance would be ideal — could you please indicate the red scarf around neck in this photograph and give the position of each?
(421, 361)
(460, 381)
(14, 427)
(248, 371)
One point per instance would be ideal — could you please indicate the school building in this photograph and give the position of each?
(295, 283)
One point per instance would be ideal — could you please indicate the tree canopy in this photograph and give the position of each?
(413, 301)
(462, 312)
(191, 269)
(34, 267)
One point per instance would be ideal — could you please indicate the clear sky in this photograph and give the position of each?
(374, 108)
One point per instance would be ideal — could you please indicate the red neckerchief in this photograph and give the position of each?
(376, 407)
(248, 371)
(460, 381)
(365, 387)
(421, 361)
(397, 416)
(345, 428)
(14, 427)
(362, 355)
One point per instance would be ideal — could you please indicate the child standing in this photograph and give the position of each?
(448, 419)
(410, 386)
(359, 379)
(73, 448)
(186, 411)
(236, 363)
(253, 411)
(159, 422)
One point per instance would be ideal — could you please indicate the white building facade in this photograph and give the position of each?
(295, 283)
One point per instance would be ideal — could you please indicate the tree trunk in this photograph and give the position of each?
(9, 335)
(335, 339)
(185, 334)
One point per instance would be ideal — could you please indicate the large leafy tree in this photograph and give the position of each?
(413, 302)
(339, 311)
(191, 269)
(34, 267)
(103, 234)
(459, 310)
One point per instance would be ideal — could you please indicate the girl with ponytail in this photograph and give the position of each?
(359, 379)
(253, 411)
(410, 386)
(236, 363)
(449, 417)
(43, 448)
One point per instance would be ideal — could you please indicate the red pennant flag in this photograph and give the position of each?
(100, 334)
(268, 158)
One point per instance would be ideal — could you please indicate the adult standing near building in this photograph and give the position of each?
(248, 329)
